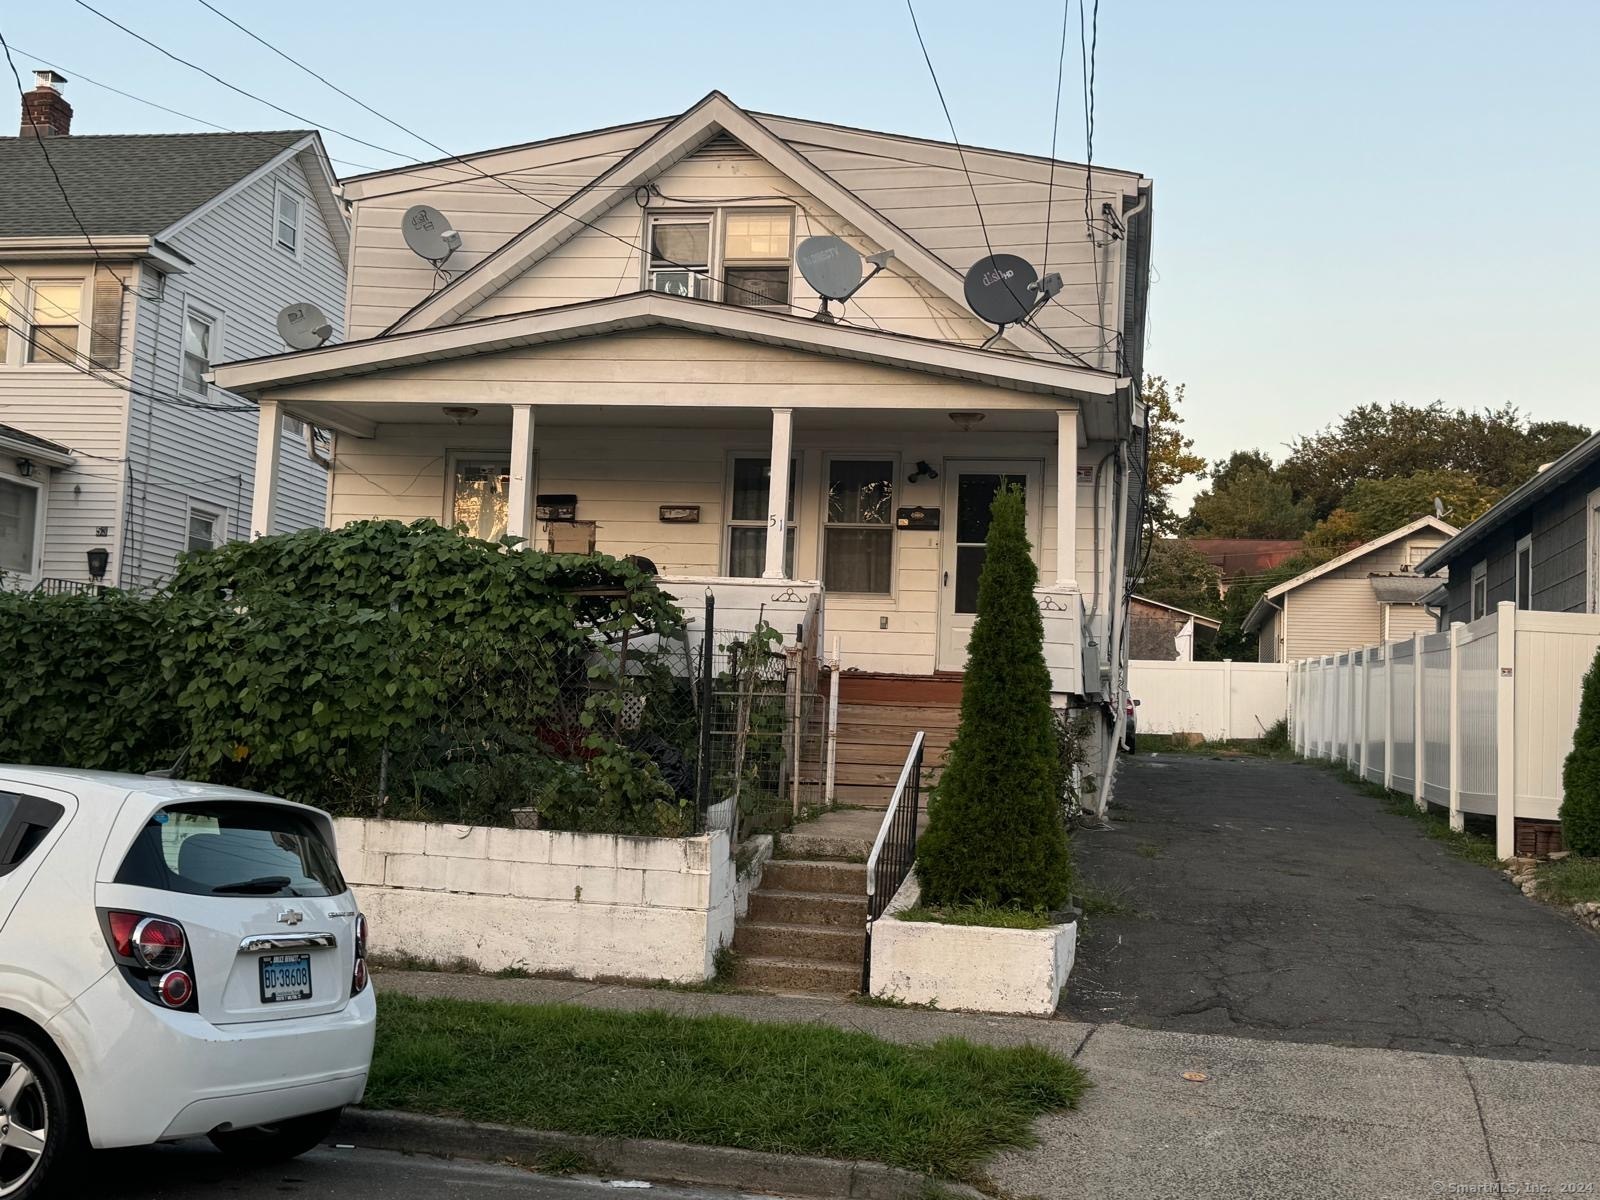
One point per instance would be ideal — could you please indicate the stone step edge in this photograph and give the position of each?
(641, 1158)
(840, 931)
(825, 897)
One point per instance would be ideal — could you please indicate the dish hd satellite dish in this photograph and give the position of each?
(1002, 289)
(303, 326)
(428, 233)
(833, 269)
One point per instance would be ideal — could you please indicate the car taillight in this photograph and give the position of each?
(358, 976)
(153, 955)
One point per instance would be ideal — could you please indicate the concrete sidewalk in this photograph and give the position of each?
(1270, 1119)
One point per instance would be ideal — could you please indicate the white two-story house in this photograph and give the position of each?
(129, 264)
(623, 351)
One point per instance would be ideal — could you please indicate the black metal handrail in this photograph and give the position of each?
(50, 586)
(894, 850)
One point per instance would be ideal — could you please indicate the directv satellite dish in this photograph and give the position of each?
(833, 269)
(427, 231)
(303, 327)
(1002, 289)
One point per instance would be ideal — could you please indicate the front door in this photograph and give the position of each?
(970, 489)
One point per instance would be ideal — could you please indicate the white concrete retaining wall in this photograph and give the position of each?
(972, 967)
(588, 905)
(1217, 700)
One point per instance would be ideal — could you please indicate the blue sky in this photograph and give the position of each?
(1365, 201)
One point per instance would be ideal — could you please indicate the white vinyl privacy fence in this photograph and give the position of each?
(1478, 718)
(1217, 700)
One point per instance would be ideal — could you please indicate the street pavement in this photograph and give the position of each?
(1271, 900)
(194, 1171)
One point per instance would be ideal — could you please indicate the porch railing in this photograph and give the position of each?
(894, 849)
(64, 587)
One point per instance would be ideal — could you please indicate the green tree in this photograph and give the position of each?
(1177, 573)
(1380, 505)
(1247, 499)
(995, 832)
(1172, 456)
(1580, 776)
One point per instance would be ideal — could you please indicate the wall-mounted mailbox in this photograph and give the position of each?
(556, 508)
(917, 517)
(683, 514)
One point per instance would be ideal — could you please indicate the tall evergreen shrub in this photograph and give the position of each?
(995, 832)
(1580, 777)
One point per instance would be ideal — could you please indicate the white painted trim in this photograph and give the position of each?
(41, 489)
(1209, 622)
(1480, 570)
(221, 522)
(235, 188)
(1365, 548)
(519, 491)
(1525, 542)
(281, 188)
(268, 469)
(214, 351)
(1592, 552)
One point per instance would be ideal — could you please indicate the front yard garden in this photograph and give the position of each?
(940, 1109)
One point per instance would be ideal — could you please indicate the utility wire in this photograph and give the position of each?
(1055, 125)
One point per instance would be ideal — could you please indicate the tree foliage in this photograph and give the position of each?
(995, 830)
(1178, 574)
(1580, 775)
(1247, 498)
(1172, 456)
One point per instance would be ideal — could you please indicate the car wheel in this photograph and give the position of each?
(41, 1129)
(1128, 744)
(276, 1142)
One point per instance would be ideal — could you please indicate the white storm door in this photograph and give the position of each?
(969, 491)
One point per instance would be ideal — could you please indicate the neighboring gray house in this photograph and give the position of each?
(1539, 547)
(194, 243)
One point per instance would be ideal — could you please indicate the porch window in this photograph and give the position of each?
(19, 521)
(1480, 590)
(755, 259)
(858, 543)
(199, 338)
(480, 496)
(680, 255)
(747, 518)
(53, 331)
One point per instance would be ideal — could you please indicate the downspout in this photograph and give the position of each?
(1117, 659)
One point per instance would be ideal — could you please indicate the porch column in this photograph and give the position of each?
(1067, 497)
(264, 493)
(519, 496)
(778, 492)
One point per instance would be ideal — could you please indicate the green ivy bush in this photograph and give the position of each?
(1580, 775)
(995, 830)
(381, 667)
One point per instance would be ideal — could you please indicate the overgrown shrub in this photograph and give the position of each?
(1580, 776)
(995, 830)
(1276, 737)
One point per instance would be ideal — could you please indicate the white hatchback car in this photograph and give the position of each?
(176, 960)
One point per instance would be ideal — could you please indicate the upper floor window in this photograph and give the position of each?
(199, 341)
(740, 256)
(55, 315)
(205, 529)
(286, 221)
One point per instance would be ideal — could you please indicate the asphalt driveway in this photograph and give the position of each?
(1271, 900)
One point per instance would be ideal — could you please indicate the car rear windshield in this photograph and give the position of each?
(228, 848)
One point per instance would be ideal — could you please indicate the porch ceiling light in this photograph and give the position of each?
(966, 420)
(459, 412)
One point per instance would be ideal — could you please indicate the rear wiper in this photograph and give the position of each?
(260, 885)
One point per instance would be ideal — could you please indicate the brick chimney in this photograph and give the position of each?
(45, 112)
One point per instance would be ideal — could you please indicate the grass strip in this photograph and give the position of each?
(1570, 880)
(989, 916)
(786, 1088)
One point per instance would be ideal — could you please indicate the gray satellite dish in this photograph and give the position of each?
(427, 231)
(1002, 289)
(831, 266)
(303, 327)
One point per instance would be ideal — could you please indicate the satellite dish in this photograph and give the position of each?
(303, 327)
(427, 231)
(1002, 289)
(830, 265)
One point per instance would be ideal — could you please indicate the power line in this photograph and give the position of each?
(1055, 124)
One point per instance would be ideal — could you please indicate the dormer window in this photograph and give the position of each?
(286, 221)
(738, 255)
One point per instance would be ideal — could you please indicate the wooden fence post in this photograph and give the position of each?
(1418, 742)
(1453, 737)
(1505, 741)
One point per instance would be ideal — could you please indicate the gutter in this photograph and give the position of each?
(40, 454)
(29, 249)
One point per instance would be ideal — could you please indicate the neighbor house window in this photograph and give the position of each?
(199, 343)
(747, 518)
(858, 541)
(755, 259)
(1480, 590)
(1525, 573)
(53, 328)
(19, 527)
(680, 255)
(286, 221)
(480, 491)
(205, 529)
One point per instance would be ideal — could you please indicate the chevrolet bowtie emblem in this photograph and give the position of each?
(291, 916)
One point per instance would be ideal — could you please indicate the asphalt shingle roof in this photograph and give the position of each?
(134, 184)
